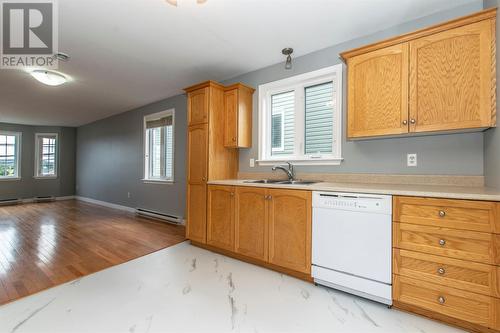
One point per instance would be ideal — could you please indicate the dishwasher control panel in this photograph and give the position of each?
(353, 202)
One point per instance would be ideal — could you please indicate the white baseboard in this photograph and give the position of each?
(30, 200)
(105, 204)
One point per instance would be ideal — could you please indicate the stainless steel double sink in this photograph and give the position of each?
(280, 182)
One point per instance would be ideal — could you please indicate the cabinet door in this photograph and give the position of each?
(451, 79)
(378, 92)
(196, 225)
(251, 222)
(197, 187)
(197, 153)
(198, 106)
(220, 217)
(231, 118)
(290, 229)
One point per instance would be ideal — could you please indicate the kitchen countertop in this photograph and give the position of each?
(433, 191)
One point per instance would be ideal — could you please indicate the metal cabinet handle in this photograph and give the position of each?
(441, 300)
(441, 271)
(405, 122)
(442, 213)
(232, 194)
(234, 139)
(204, 178)
(268, 197)
(412, 121)
(442, 242)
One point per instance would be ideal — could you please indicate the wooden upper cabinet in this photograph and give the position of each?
(251, 222)
(437, 79)
(198, 106)
(451, 79)
(238, 116)
(290, 229)
(378, 92)
(220, 217)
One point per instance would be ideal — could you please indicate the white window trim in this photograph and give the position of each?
(37, 156)
(145, 171)
(17, 175)
(300, 81)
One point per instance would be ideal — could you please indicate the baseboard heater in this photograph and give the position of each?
(159, 216)
(8, 202)
(44, 199)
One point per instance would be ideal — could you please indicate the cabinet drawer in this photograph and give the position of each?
(459, 244)
(460, 274)
(463, 305)
(456, 214)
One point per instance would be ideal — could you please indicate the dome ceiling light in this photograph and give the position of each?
(49, 78)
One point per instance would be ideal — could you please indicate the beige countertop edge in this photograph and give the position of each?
(433, 191)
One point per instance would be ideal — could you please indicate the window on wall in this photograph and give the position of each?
(46, 155)
(159, 147)
(10, 143)
(300, 118)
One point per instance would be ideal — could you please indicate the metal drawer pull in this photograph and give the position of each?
(442, 242)
(442, 213)
(412, 121)
(441, 271)
(405, 122)
(441, 300)
(268, 197)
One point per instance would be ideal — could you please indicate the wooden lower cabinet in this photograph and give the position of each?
(270, 226)
(196, 228)
(220, 217)
(251, 222)
(290, 229)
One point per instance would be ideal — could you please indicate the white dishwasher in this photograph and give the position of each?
(352, 243)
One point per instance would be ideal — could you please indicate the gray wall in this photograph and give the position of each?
(29, 187)
(452, 154)
(110, 151)
(110, 160)
(492, 136)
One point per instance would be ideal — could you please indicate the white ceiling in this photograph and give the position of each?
(128, 53)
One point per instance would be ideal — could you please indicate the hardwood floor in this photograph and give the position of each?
(46, 244)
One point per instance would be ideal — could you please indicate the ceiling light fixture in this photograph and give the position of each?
(62, 57)
(288, 51)
(174, 2)
(49, 78)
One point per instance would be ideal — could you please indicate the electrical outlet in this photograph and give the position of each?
(128, 195)
(411, 160)
(252, 162)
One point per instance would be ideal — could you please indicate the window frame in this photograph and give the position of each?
(298, 84)
(17, 174)
(146, 161)
(37, 175)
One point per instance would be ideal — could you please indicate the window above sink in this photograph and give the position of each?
(300, 119)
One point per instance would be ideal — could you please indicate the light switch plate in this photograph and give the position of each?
(411, 160)
(252, 162)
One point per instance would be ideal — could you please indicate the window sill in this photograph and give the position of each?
(318, 162)
(45, 177)
(9, 179)
(158, 182)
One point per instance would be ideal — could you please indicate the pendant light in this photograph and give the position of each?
(288, 51)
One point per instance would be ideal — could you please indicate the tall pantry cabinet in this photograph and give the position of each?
(208, 159)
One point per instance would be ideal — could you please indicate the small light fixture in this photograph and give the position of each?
(49, 78)
(62, 56)
(174, 2)
(288, 51)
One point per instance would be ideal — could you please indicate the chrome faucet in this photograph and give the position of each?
(289, 171)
